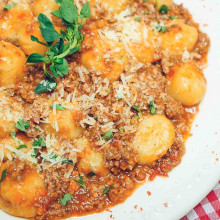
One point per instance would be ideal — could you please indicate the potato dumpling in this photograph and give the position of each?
(186, 84)
(12, 63)
(12, 20)
(63, 123)
(106, 56)
(92, 160)
(154, 136)
(178, 38)
(40, 6)
(21, 192)
(25, 42)
(139, 41)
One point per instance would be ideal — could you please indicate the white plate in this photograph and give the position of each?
(199, 171)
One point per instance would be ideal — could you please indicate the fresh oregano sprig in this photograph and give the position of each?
(66, 43)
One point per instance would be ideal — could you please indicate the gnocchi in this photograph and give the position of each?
(25, 42)
(12, 64)
(63, 123)
(154, 136)
(107, 55)
(186, 84)
(19, 194)
(179, 37)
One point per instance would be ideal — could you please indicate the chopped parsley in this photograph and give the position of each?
(80, 181)
(4, 173)
(13, 134)
(22, 125)
(8, 7)
(67, 197)
(68, 161)
(22, 146)
(108, 135)
(107, 189)
(173, 17)
(67, 43)
(58, 106)
(91, 174)
(152, 108)
(137, 19)
(161, 29)
(121, 130)
(138, 110)
(164, 9)
(39, 142)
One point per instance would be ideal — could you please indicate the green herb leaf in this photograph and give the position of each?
(57, 13)
(22, 146)
(39, 142)
(164, 9)
(108, 135)
(8, 7)
(138, 110)
(69, 11)
(46, 85)
(80, 182)
(35, 58)
(146, 12)
(107, 189)
(137, 19)
(152, 108)
(173, 17)
(22, 125)
(13, 134)
(67, 197)
(47, 29)
(91, 174)
(58, 107)
(121, 130)
(62, 68)
(68, 162)
(85, 11)
(34, 152)
(4, 173)
(35, 39)
(161, 29)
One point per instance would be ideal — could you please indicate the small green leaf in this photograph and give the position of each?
(139, 112)
(58, 107)
(8, 7)
(35, 39)
(69, 11)
(121, 130)
(67, 197)
(57, 14)
(59, 2)
(68, 162)
(137, 19)
(107, 189)
(4, 173)
(91, 174)
(35, 58)
(161, 29)
(152, 108)
(173, 17)
(34, 152)
(22, 125)
(47, 29)
(108, 135)
(85, 11)
(22, 146)
(13, 134)
(39, 142)
(62, 68)
(46, 85)
(80, 182)
(164, 9)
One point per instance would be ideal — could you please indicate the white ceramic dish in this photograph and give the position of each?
(200, 168)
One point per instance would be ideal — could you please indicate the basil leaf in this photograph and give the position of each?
(35, 58)
(46, 85)
(22, 146)
(4, 173)
(58, 107)
(85, 11)
(8, 7)
(47, 29)
(22, 125)
(62, 68)
(35, 39)
(57, 14)
(108, 135)
(67, 197)
(69, 11)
